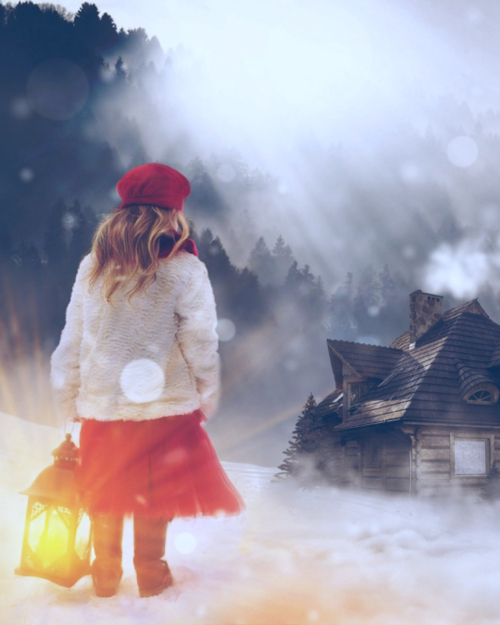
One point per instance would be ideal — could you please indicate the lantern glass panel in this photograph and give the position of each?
(36, 509)
(49, 535)
(82, 540)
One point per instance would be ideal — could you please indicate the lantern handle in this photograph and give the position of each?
(72, 427)
(66, 428)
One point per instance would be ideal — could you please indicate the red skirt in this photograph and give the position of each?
(158, 467)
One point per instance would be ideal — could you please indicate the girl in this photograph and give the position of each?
(137, 363)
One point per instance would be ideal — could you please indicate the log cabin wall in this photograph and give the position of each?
(432, 461)
(453, 461)
(386, 463)
(351, 463)
(372, 462)
(398, 464)
(334, 463)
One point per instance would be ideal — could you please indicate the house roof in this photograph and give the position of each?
(428, 382)
(495, 356)
(471, 307)
(364, 361)
(474, 307)
(470, 378)
(330, 404)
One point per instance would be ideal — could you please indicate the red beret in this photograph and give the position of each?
(154, 184)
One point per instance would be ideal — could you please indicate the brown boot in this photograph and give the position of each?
(107, 530)
(153, 573)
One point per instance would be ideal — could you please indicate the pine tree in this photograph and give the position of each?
(305, 295)
(109, 34)
(120, 71)
(343, 324)
(248, 305)
(292, 277)
(283, 256)
(245, 231)
(87, 23)
(302, 446)
(27, 256)
(392, 319)
(204, 194)
(314, 303)
(203, 243)
(261, 262)
(55, 246)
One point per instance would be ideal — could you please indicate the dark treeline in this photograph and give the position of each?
(57, 171)
(52, 75)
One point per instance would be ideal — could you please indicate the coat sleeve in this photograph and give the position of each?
(65, 361)
(198, 339)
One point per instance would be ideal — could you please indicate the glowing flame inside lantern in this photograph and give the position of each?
(48, 537)
(50, 533)
(56, 542)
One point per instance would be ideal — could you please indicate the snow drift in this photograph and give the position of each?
(323, 556)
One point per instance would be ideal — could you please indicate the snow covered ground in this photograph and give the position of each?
(294, 557)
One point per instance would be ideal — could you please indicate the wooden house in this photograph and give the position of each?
(420, 416)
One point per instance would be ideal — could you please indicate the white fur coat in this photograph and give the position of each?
(152, 357)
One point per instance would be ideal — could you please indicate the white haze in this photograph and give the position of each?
(287, 84)
(322, 557)
(462, 269)
(266, 77)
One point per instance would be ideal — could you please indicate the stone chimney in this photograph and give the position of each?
(425, 310)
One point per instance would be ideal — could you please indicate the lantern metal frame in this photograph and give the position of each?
(54, 492)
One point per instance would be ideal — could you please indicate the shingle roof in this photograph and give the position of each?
(470, 378)
(403, 341)
(473, 307)
(425, 384)
(495, 356)
(330, 404)
(368, 361)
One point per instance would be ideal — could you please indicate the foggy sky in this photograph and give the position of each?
(272, 71)
(285, 83)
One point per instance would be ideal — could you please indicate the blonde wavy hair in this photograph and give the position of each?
(126, 246)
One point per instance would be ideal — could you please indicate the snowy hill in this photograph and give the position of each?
(294, 557)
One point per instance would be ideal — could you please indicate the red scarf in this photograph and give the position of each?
(167, 245)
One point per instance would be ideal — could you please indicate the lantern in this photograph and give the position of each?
(57, 536)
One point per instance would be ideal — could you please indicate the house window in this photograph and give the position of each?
(481, 397)
(470, 457)
(485, 395)
(355, 393)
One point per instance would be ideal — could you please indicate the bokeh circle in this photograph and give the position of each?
(57, 89)
(462, 151)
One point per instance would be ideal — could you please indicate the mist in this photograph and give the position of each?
(325, 556)
(367, 137)
(369, 119)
